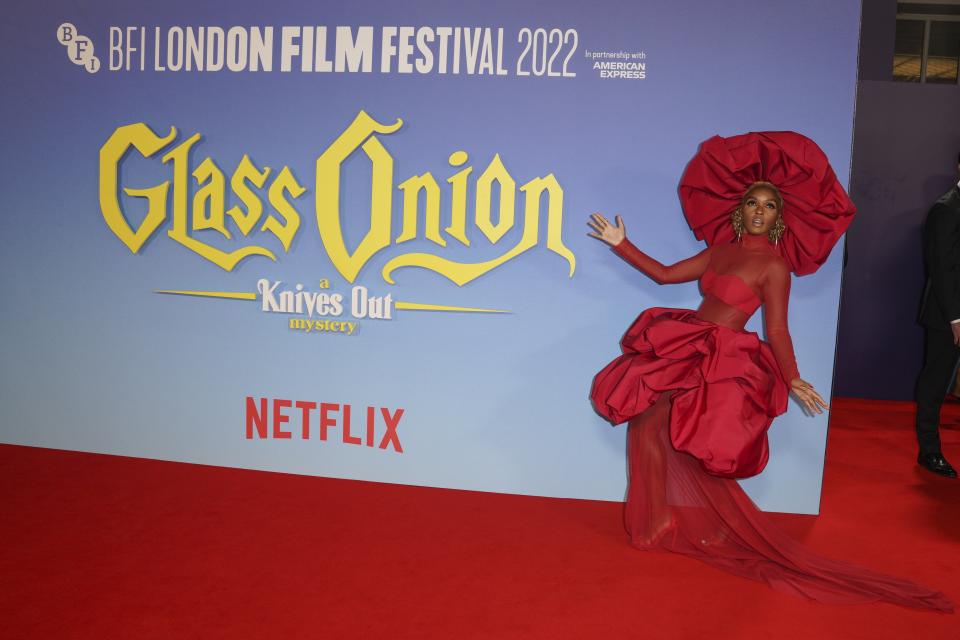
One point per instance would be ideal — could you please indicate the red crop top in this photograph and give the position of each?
(735, 279)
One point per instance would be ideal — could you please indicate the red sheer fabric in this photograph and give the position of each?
(700, 394)
(672, 505)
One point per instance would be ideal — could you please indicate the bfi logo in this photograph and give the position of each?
(79, 47)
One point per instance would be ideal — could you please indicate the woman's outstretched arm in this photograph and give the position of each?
(616, 236)
(776, 293)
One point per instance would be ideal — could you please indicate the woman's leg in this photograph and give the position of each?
(647, 516)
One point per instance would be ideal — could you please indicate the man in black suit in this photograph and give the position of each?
(940, 315)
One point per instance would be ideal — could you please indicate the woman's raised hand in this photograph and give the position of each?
(808, 396)
(605, 231)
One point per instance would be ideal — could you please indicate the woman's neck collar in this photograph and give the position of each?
(756, 242)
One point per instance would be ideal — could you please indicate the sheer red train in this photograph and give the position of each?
(674, 505)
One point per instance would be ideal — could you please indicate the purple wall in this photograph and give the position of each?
(878, 28)
(906, 140)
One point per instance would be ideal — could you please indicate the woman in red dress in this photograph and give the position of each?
(700, 392)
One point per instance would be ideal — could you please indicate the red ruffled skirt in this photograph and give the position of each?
(725, 384)
(700, 398)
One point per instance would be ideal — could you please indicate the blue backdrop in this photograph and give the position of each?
(94, 359)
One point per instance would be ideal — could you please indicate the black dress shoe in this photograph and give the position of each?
(936, 463)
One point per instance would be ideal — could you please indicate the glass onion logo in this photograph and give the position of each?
(170, 201)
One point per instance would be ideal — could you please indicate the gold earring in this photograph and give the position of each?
(736, 219)
(776, 232)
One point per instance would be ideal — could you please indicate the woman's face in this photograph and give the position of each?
(760, 211)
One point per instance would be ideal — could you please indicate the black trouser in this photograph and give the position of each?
(940, 361)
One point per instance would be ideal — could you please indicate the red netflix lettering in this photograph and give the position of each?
(256, 418)
(281, 425)
(391, 422)
(325, 420)
(306, 407)
(349, 439)
(279, 418)
(369, 426)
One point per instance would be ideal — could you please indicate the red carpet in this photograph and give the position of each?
(98, 546)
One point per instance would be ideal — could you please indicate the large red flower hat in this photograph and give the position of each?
(816, 209)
